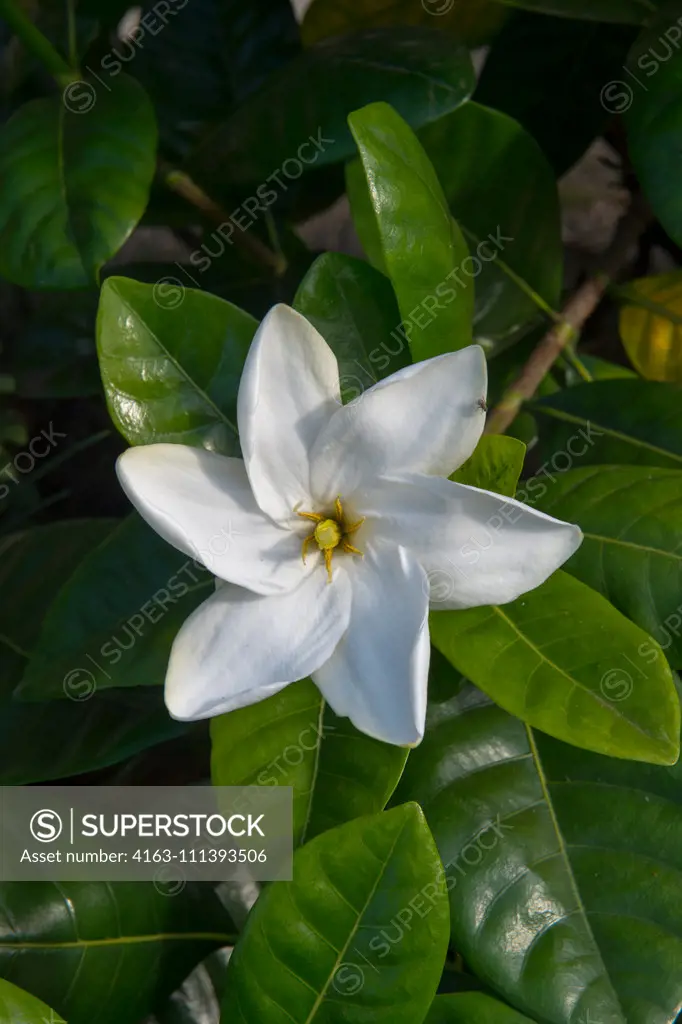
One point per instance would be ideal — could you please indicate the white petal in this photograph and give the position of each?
(377, 676)
(289, 389)
(477, 547)
(202, 504)
(423, 419)
(238, 648)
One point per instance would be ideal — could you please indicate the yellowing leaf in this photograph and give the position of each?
(651, 326)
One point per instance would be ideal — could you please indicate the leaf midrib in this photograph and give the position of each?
(353, 932)
(316, 769)
(561, 414)
(566, 861)
(557, 668)
(63, 188)
(637, 301)
(178, 366)
(517, 279)
(122, 940)
(631, 544)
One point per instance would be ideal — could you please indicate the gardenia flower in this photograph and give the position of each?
(335, 533)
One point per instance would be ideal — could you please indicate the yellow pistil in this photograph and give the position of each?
(331, 532)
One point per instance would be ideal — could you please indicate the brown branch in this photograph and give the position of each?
(183, 185)
(574, 315)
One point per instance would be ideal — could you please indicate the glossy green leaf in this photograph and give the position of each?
(630, 516)
(354, 308)
(653, 94)
(473, 23)
(171, 359)
(563, 867)
(76, 173)
(298, 117)
(101, 731)
(599, 369)
(344, 942)
(634, 422)
(502, 192)
(561, 658)
(472, 1008)
(404, 222)
(650, 325)
(106, 952)
(18, 1007)
(627, 12)
(556, 76)
(496, 465)
(294, 739)
(114, 620)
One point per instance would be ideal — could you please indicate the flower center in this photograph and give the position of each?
(331, 532)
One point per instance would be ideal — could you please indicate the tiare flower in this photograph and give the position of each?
(336, 532)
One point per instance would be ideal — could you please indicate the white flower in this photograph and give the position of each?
(371, 476)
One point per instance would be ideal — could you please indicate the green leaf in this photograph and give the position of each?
(651, 325)
(653, 93)
(344, 942)
(404, 223)
(171, 359)
(564, 868)
(106, 951)
(496, 465)
(472, 1008)
(13, 432)
(76, 173)
(102, 731)
(631, 552)
(502, 192)
(599, 369)
(114, 620)
(55, 356)
(634, 422)
(626, 12)
(474, 23)
(262, 36)
(298, 117)
(20, 496)
(182, 61)
(294, 739)
(561, 659)
(33, 566)
(18, 1007)
(555, 76)
(354, 308)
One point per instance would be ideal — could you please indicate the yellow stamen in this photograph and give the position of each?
(315, 516)
(331, 532)
(304, 545)
(355, 526)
